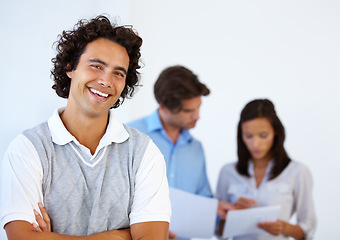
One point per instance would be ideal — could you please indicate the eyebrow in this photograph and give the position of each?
(96, 60)
(188, 109)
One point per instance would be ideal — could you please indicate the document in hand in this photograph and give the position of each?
(244, 221)
(193, 216)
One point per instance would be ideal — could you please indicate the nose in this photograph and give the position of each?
(196, 115)
(256, 142)
(105, 80)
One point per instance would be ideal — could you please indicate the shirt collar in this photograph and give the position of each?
(251, 167)
(115, 131)
(154, 123)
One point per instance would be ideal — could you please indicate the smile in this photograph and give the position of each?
(99, 93)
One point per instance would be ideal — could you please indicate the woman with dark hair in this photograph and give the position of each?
(265, 175)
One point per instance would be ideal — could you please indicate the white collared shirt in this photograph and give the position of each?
(22, 175)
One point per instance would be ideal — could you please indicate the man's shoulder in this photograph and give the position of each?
(27, 144)
(41, 127)
(40, 131)
(23, 136)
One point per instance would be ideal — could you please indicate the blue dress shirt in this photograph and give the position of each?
(185, 161)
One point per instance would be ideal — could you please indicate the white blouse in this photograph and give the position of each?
(292, 190)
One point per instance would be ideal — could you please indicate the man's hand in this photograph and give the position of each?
(274, 228)
(44, 225)
(242, 203)
(44, 222)
(223, 208)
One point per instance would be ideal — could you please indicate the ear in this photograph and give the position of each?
(70, 74)
(163, 108)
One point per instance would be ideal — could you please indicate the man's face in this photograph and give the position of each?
(99, 79)
(187, 117)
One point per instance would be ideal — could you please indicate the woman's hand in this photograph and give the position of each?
(172, 235)
(274, 228)
(281, 227)
(243, 203)
(44, 222)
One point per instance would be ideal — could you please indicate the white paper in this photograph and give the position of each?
(193, 216)
(242, 222)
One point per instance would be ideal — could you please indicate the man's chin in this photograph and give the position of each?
(191, 126)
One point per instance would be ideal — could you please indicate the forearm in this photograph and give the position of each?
(109, 235)
(21, 230)
(294, 231)
(150, 231)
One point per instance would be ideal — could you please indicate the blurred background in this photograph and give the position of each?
(287, 51)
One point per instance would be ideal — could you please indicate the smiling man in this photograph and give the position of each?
(178, 92)
(83, 174)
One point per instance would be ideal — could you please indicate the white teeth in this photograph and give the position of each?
(99, 93)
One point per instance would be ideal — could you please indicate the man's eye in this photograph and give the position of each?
(96, 66)
(120, 74)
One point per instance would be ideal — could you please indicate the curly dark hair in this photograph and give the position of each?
(262, 108)
(71, 45)
(175, 84)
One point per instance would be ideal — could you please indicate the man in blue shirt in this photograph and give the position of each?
(178, 93)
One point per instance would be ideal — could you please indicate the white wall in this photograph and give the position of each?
(287, 51)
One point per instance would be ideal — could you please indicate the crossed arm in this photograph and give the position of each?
(20, 230)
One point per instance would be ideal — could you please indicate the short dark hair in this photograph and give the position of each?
(71, 45)
(262, 108)
(175, 84)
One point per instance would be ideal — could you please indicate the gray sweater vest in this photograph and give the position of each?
(83, 200)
